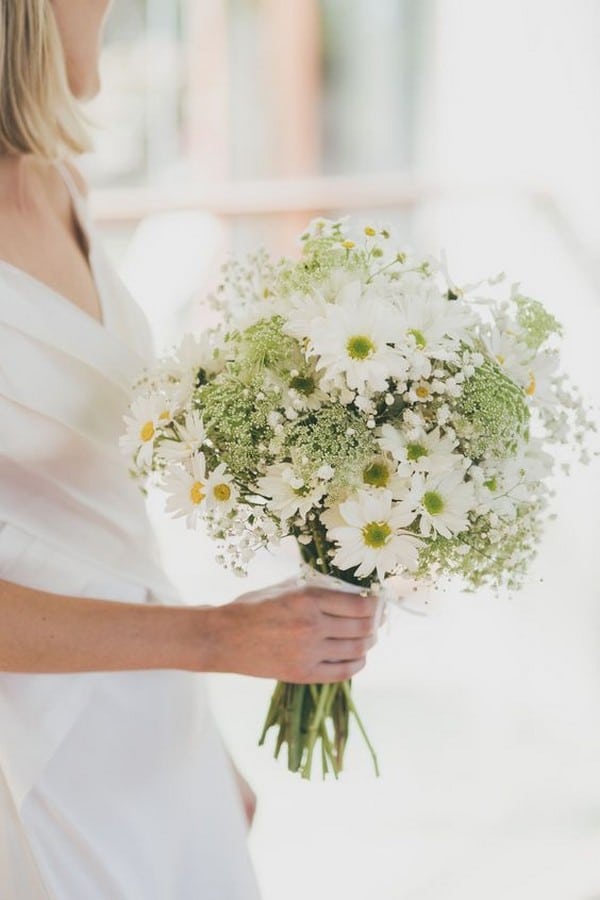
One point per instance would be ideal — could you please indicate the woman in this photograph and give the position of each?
(114, 784)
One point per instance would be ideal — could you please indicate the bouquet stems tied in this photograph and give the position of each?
(308, 714)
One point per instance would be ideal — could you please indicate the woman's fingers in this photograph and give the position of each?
(326, 673)
(356, 606)
(345, 627)
(348, 650)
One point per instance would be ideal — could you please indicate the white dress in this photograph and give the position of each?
(113, 786)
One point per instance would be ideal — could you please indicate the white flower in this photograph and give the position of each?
(419, 392)
(443, 503)
(220, 490)
(382, 473)
(191, 437)
(541, 374)
(147, 416)
(195, 352)
(287, 495)
(419, 451)
(434, 325)
(373, 536)
(187, 490)
(354, 337)
(301, 310)
(325, 472)
(304, 310)
(511, 354)
(202, 351)
(502, 485)
(336, 281)
(495, 495)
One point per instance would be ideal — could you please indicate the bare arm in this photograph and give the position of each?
(43, 632)
(285, 632)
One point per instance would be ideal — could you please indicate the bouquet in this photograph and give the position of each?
(358, 400)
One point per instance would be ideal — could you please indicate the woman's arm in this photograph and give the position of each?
(44, 632)
(286, 632)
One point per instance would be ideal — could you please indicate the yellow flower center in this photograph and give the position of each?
(222, 492)
(197, 492)
(376, 534)
(369, 231)
(377, 474)
(422, 392)
(360, 347)
(433, 503)
(530, 389)
(348, 244)
(414, 452)
(147, 431)
(165, 414)
(501, 359)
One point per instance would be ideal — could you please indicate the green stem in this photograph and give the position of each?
(320, 559)
(352, 707)
(273, 712)
(295, 739)
(318, 718)
(302, 712)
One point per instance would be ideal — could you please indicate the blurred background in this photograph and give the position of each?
(473, 127)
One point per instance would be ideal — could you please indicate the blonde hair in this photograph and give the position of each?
(38, 113)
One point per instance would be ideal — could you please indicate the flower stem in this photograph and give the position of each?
(316, 725)
(352, 707)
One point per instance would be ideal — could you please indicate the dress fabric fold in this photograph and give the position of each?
(113, 786)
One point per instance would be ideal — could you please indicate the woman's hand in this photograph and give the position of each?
(294, 633)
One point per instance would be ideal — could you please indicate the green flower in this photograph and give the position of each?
(334, 436)
(264, 345)
(537, 323)
(235, 414)
(491, 413)
(323, 249)
(479, 561)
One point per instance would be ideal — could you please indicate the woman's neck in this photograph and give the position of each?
(20, 181)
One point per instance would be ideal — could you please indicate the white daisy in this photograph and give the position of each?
(417, 450)
(353, 339)
(434, 325)
(372, 537)
(143, 424)
(203, 351)
(495, 495)
(195, 352)
(443, 503)
(287, 494)
(187, 489)
(191, 437)
(221, 492)
(337, 279)
(511, 354)
(420, 392)
(504, 484)
(303, 311)
(382, 473)
(541, 374)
